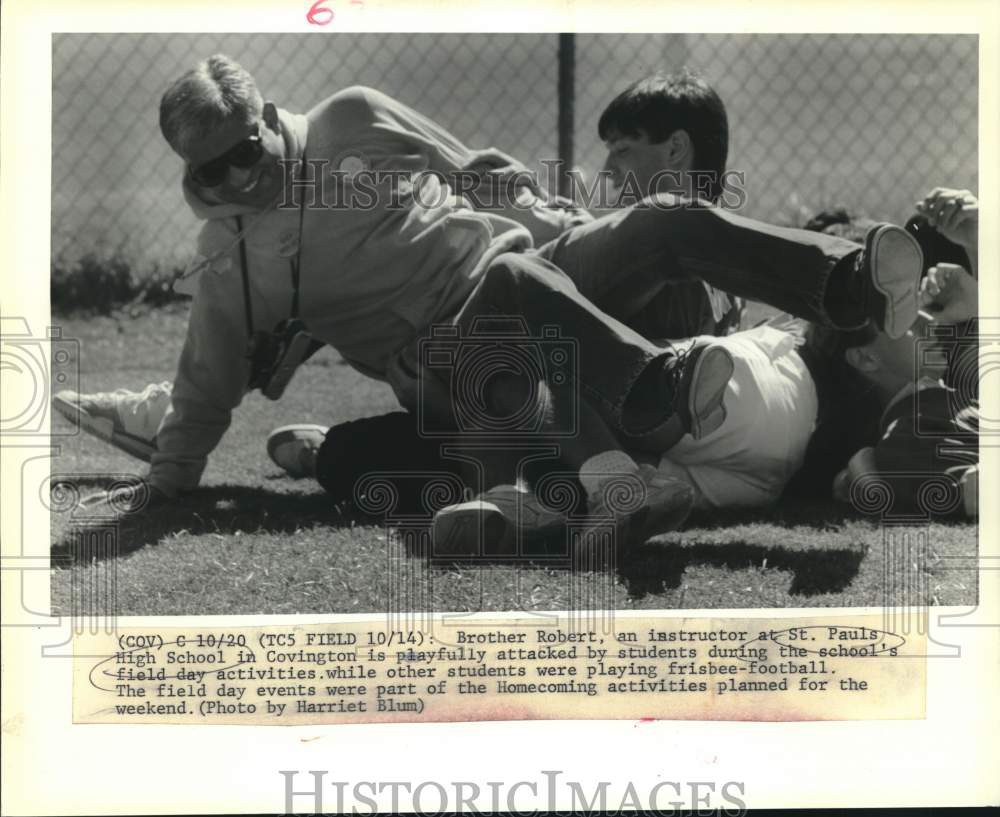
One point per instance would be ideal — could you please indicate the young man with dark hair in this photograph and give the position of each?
(671, 132)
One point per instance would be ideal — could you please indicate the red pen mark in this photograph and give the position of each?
(318, 14)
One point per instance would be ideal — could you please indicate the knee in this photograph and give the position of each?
(525, 271)
(508, 268)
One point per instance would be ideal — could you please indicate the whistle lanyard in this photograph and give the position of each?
(294, 265)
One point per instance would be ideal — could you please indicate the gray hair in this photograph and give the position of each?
(205, 98)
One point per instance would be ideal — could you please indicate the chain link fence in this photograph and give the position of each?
(865, 121)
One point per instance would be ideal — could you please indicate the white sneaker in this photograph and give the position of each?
(294, 448)
(127, 420)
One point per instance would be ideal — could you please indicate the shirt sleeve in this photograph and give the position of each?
(444, 151)
(544, 218)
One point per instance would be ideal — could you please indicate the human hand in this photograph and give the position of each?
(950, 294)
(862, 463)
(969, 485)
(954, 214)
(502, 169)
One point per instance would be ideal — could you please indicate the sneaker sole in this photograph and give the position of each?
(456, 530)
(671, 508)
(896, 262)
(287, 434)
(664, 516)
(104, 429)
(706, 406)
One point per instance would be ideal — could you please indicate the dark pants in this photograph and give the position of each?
(582, 286)
(621, 261)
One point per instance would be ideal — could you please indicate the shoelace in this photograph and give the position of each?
(674, 374)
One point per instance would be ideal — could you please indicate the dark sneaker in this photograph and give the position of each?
(891, 263)
(492, 523)
(627, 511)
(691, 395)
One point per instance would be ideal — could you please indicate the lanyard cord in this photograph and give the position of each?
(245, 272)
(293, 263)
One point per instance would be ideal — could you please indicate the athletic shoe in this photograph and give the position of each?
(969, 485)
(890, 267)
(702, 373)
(691, 393)
(634, 508)
(491, 523)
(294, 448)
(127, 420)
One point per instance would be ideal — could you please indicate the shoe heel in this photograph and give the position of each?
(713, 370)
(896, 262)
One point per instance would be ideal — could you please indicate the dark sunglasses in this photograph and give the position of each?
(244, 154)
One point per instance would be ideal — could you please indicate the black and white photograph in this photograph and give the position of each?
(414, 407)
(477, 322)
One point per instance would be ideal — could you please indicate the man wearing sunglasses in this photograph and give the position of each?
(374, 279)
(248, 171)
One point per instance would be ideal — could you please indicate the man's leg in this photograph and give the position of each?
(630, 502)
(621, 261)
(613, 385)
(635, 386)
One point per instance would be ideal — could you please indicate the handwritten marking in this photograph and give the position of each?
(319, 15)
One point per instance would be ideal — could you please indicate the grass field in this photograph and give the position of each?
(254, 541)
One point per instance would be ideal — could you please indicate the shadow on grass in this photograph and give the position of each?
(818, 514)
(223, 510)
(649, 569)
(653, 569)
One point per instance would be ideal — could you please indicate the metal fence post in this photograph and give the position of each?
(567, 93)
